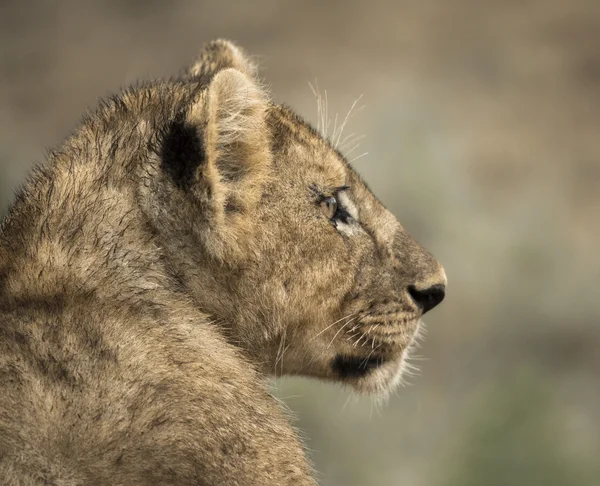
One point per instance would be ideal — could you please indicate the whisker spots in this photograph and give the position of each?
(337, 333)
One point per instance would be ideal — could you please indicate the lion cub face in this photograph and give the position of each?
(309, 273)
(343, 285)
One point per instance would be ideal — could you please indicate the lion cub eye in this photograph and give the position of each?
(330, 207)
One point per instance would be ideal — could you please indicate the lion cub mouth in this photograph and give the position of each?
(390, 332)
(350, 366)
(374, 342)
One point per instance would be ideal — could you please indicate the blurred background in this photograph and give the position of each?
(481, 120)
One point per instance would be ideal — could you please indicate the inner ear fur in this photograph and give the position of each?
(231, 119)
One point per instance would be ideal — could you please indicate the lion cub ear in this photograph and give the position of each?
(231, 119)
(218, 55)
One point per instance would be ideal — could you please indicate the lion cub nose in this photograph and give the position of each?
(427, 298)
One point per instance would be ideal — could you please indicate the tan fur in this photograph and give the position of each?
(169, 256)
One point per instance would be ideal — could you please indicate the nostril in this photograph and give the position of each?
(428, 298)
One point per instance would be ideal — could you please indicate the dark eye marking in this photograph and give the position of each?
(341, 215)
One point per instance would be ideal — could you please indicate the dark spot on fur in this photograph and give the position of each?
(55, 370)
(158, 421)
(348, 366)
(232, 171)
(233, 206)
(3, 271)
(21, 338)
(11, 374)
(182, 152)
(23, 306)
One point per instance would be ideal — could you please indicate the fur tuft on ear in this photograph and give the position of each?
(236, 146)
(218, 55)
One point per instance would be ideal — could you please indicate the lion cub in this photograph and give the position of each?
(189, 239)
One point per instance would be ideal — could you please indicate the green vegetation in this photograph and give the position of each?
(516, 439)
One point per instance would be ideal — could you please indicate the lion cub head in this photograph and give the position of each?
(280, 241)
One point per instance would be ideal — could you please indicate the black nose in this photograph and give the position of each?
(428, 298)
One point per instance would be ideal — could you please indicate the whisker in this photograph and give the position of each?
(346, 139)
(356, 158)
(316, 92)
(353, 328)
(331, 325)
(359, 340)
(281, 350)
(339, 330)
(326, 115)
(335, 124)
(346, 403)
(339, 135)
(348, 152)
(363, 363)
(374, 327)
(351, 139)
(368, 356)
(351, 337)
(284, 350)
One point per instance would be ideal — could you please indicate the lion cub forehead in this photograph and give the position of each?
(309, 151)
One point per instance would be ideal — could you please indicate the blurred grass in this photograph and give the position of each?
(515, 439)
